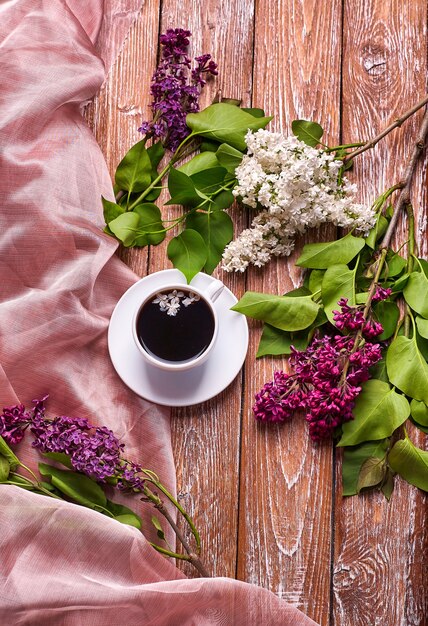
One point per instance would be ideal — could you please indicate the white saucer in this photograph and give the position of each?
(178, 388)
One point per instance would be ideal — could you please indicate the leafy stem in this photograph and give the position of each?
(357, 144)
(395, 124)
(404, 197)
(154, 479)
(149, 495)
(403, 201)
(410, 263)
(179, 154)
(36, 483)
(192, 557)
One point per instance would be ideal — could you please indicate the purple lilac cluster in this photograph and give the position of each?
(16, 419)
(93, 450)
(351, 318)
(327, 376)
(175, 93)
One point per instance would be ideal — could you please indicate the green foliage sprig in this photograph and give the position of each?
(79, 488)
(203, 186)
(376, 442)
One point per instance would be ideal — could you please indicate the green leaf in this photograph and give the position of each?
(372, 473)
(150, 227)
(378, 411)
(315, 280)
(308, 132)
(22, 483)
(338, 282)
(199, 163)
(279, 311)
(60, 457)
(153, 194)
(156, 523)
(379, 372)
(299, 291)
(4, 468)
(182, 189)
(423, 266)
(387, 486)
(410, 462)
(134, 171)
(124, 514)
(419, 411)
(9, 454)
(216, 229)
(229, 157)
(323, 255)
(225, 123)
(130, 519)
(400, 283)
(77, 487)
(407, 368)
(377, 231)
(276, 342)
(111, 210)
(49, 487)
(394, 265)
(222, 200)
(209, 181)
(255, 112)
(188, 253)
(125, 227)
(208, 145)
(353, 459)
(422, 344)
(416, 293)
(361, 298)
(156, 153)
(387, 314)
(422, 325)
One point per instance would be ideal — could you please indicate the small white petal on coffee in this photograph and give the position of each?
(171, 302)
(160, 297)
(172, 309)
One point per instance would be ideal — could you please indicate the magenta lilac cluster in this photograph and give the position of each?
(93, 450)
(351, 318)
(327, 376)
(176, 88)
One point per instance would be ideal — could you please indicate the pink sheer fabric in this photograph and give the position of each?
(61, 563)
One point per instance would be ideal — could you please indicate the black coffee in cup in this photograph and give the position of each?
(175, 325)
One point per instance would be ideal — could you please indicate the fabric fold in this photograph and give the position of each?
(61, 563)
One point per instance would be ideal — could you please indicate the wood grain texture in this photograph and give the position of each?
(206, 438)
(284, 528)
(381, 549)
(263, 499)
(124, 99)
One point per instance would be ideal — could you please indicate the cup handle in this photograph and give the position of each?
(214, 290)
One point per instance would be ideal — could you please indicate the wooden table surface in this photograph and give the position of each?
(267, 502)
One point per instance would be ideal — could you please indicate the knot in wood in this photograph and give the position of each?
(374, 59)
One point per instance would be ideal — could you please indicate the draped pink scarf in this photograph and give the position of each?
(60, 280)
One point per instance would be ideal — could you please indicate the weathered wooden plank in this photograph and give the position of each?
(206, 437)
(286, 486)
(286, 482)
(128, 40)
(381, 548)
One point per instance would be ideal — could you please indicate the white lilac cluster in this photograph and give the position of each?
(170, 302)
(299, 188)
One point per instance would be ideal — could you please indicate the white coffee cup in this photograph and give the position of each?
(170, 301)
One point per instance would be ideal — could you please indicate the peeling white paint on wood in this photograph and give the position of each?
(262, 498)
